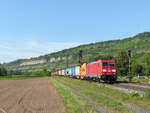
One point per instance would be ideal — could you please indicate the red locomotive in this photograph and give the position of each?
(102, 69)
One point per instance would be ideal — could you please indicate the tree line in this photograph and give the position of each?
(3, 71)
(137, 67)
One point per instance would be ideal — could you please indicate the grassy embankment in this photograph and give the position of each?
(20, 77)
(106, 97)
(73, 103)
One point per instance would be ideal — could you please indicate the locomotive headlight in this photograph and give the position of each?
(113, 70)
(104, 70)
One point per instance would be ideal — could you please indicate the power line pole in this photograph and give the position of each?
(80, 57)
(67, 64)
(129, 68)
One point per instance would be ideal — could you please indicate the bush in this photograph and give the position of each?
(136, 68)
(3, 71)
(42, 73)
(147, 94)
(134, 94)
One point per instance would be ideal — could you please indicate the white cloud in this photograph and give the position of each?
(12, 51)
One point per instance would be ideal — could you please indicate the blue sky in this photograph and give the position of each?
(30, 28)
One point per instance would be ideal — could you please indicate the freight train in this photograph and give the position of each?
(105, 70)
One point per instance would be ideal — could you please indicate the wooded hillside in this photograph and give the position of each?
(139, 44)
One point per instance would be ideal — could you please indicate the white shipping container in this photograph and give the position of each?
(59, 72)
(63, 72)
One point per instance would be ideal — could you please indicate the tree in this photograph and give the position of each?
(108, 57)
(94, 58)
(46, 72)
(11, 72)
(147, 61)
(3, 71)
(122, 62)
(99, 57)
(0, 72)
(136, 68)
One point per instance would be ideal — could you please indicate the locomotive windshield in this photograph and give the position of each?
(111, 64)
(108, 64)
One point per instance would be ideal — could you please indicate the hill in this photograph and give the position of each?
(139, 44)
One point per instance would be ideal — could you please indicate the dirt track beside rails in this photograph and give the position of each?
(29, 96)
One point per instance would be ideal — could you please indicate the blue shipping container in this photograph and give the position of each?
(73, 71)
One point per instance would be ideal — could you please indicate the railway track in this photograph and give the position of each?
(135, 87)
(128, 87)
(146, 86)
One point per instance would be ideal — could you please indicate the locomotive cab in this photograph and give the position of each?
(108, 70)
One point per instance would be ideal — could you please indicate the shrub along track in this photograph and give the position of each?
(101, 98)
(29, 96)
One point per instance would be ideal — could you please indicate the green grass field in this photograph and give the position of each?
(73, 103)
(103, 96)
(19, 77)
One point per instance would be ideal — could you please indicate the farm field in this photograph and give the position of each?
(29, 96)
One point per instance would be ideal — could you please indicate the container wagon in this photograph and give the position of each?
(83, 71)
(68, 72)
(77, 71)
(63, 72)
